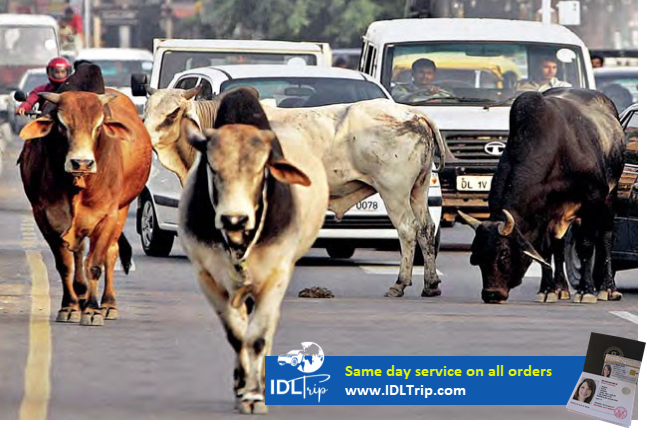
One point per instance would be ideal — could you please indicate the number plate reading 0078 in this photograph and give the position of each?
(367, 206)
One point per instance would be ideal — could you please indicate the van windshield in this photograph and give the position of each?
(178, 61)
(478, 73)
(117, 73)
(31, 46)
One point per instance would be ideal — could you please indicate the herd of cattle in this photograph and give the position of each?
(258, 180)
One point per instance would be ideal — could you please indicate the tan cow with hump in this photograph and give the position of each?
(374, 146)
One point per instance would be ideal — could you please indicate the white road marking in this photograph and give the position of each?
(392, 270)
(626, 316)
(35, 402)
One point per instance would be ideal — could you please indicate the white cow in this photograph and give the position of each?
(367, 147)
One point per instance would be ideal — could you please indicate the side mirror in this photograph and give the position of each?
(138, 84)
(20, 96)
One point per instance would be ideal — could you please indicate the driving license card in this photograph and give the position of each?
(621, 368)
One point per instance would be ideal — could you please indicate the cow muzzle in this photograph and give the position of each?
(81, 166)
(494, 295)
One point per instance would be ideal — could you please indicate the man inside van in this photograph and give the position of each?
(545, 78)
(422, 87)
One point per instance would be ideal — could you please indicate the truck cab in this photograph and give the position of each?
(481, 65)
(26, 42)
(173, 56)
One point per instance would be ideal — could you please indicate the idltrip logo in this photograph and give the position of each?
(306, 360)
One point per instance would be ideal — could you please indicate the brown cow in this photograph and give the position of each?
(82, 166)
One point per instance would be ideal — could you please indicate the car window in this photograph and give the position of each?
(34, 80)
(632, 139)
(207, 92)
(117, 73)
(309, 92)
(623, 91)
(187, 83)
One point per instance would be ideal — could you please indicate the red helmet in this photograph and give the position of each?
(57, 64)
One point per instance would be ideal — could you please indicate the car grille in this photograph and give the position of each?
(358, 221)
(472, 147)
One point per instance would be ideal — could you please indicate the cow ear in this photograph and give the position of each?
(195, 137)
(117, 130)
(284, 171)
(39, 127)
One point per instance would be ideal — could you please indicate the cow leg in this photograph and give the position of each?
(402, 217)
(425, 235)
(100, 243)
(585, 243)
(80, 282)
(560, 282)
(547, 293)
(235, 324)
(109, 300)
(259, 337)
(603, 274)
(70, 308)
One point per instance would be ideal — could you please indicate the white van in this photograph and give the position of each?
(26, 42)
(481, 66)
(177, 55)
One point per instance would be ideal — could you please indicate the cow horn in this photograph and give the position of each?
(106, 98)
(189, 94)
(506, 228)
(51, 97)
(149, 90)
(472, 222)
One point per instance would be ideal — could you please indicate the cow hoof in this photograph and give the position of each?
(578, 297)
(92, 318)
(564, 295)
(248, 407)
(540, 298)
(395, 292)
(67, 315)
(430, 292)
(615, 296)
(109, 313)
(552, 298)
(588, 298)
(603, 295)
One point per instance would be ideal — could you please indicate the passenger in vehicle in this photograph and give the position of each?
(422, 86)
(545, 77)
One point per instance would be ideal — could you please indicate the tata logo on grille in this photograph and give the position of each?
(495, 148)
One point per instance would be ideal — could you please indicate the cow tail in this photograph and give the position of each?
(440, 144)
(125, 253)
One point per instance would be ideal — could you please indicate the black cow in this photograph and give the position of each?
(562, 163)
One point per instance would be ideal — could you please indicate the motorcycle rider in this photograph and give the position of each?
(58, 70)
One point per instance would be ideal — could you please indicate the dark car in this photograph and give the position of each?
(625, 248)
(621, 84)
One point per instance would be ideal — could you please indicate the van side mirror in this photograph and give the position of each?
(138, 84)
(20, 96)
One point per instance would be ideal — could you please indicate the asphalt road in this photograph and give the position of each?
(167, 357)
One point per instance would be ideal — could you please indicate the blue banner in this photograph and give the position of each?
(296, 379)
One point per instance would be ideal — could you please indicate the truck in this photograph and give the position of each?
(26, 42)
(177, 55)
(481, 66)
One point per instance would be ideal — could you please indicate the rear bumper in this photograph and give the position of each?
(474, 203)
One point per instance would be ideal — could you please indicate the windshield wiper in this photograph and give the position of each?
(454, 98)
(501, 102)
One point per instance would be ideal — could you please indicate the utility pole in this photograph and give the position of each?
(87, 21)
(168, 20)
(546, 11)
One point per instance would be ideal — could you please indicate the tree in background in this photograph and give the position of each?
(339, 22)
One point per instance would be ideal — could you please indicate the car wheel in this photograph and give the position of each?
(155, 242)
(294, 361)
(337, 251)
(572, 261)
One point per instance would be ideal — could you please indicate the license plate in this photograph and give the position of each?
(474, 183)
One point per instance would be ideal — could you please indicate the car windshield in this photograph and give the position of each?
(33, 80)
(33, 46)
(622, 90)
(309, 92)
(478, 73)
(178, 61)
(117, 73)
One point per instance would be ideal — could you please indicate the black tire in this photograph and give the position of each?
(155, 242)
(572, 262)
(340, 251)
